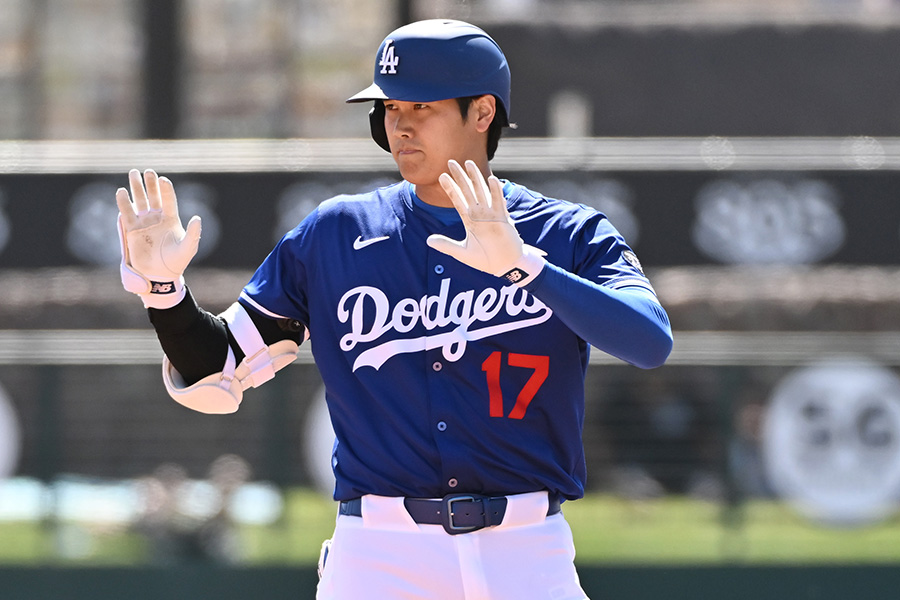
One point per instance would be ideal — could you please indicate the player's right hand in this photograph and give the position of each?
(492, 243)
(156, 249)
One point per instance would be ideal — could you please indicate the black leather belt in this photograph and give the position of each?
(457, 513)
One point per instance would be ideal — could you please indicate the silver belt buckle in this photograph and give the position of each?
(448, 516)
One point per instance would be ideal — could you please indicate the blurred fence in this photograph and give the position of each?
(777, 260)
(101, 69)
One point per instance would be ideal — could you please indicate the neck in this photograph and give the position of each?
(433, 194)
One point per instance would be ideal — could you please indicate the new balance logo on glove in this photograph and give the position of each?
(162, 288)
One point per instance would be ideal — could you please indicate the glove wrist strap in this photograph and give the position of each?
(524, 270)
(163, 294)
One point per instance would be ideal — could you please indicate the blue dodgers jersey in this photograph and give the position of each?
(440, 378)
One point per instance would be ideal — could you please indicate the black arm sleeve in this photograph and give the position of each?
(196, 341)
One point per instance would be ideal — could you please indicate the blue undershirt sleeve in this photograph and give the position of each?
(628, 323)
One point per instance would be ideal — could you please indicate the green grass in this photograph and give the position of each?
(677, 530)
(27, 543)
(308, 520)
(607, 530)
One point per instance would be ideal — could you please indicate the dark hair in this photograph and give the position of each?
(496, 128)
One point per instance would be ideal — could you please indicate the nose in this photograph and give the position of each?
(399, 125)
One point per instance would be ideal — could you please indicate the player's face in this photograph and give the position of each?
(425, 135)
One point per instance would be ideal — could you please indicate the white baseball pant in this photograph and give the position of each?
(385, 555)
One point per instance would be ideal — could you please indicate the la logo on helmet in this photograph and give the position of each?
(389, 60)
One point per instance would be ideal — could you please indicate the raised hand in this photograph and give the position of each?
(492, 243)
(156, 249)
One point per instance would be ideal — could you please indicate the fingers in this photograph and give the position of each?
(123, 201)
(151, 182)
(149, 192)
(138, 193)
(480, 200)
(477, 184)
(470, 183)
(145, 191)
(466, 183)
(193, 230)
(455, 193)
(496, 193)
(167, 200)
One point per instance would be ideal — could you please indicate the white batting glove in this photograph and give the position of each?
(156, 249)
(492, 243)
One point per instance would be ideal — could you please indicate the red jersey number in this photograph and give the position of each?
(491, 366)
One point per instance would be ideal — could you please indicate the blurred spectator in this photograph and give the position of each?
(188, 521)
(745, 462)
(167, 530)
(218, 535)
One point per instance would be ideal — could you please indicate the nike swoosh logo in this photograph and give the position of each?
(359, 243)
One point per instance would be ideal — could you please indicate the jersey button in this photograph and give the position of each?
(441, 426)
(439, 269)
(437, 366)
(453, 482)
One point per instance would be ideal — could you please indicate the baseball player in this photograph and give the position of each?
(450, 315)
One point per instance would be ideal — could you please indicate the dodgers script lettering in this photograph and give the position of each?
(366, 304)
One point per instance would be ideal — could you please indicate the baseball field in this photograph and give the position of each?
(608, 531)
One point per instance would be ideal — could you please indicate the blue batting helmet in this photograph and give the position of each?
(433, 60)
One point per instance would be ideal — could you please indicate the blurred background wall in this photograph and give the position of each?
(748, 150)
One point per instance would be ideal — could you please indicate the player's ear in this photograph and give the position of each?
(484, 108)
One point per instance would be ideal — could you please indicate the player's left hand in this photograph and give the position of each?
(492, 243)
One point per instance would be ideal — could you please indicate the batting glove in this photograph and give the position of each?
(156, 249)
(492, 243)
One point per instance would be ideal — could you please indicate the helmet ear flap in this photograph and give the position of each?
(376, 125)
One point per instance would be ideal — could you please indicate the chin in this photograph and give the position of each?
(417, 176)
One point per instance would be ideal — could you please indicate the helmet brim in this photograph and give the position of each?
(373, 92)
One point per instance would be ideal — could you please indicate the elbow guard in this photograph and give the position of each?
(221, 393)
